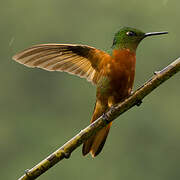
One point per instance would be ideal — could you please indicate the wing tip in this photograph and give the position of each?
(15, 57)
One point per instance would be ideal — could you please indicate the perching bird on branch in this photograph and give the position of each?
(113, 73)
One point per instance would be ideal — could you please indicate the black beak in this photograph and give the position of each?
(155, 33)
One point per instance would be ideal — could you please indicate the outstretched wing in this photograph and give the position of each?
(80, 60)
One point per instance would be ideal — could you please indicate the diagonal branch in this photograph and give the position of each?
(66, 150)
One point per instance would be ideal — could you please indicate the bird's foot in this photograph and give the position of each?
(112, 109)
(105, 117)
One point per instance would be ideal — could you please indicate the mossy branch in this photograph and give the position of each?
(66, 150)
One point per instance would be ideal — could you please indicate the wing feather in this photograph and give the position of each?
(80, 60)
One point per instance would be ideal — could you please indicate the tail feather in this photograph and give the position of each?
(99, 141)
(87, 146)
(95, 143)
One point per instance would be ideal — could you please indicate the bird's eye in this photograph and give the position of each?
(131, 33)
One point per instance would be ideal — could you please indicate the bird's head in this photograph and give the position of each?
(129, 38)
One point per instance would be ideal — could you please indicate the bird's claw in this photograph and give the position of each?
(105, 117)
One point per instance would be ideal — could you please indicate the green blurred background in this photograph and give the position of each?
(41, 110)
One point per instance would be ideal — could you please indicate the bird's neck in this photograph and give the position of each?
(125, 56)
(121, 46)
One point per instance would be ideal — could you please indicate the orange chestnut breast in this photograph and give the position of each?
(122, 71)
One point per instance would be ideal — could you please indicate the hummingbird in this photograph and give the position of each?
(112, 73)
